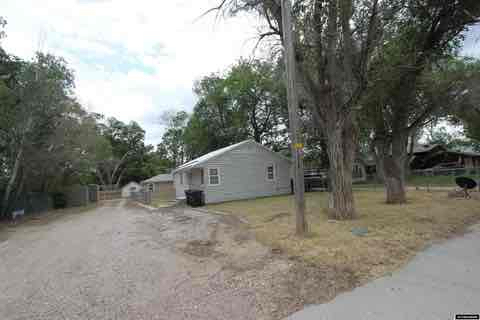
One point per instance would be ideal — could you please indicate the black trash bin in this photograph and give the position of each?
(194, 198)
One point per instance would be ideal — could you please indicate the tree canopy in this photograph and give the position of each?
(247, 101)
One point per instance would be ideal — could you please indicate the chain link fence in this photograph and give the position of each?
(428, 179)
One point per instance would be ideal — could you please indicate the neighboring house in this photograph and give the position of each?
(130, 188)
(240, 171)
(161, 184)
(429, 156)
(360, 172)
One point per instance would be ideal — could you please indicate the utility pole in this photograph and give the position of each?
(297, 145)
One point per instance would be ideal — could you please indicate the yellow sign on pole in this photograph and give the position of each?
(298, 146)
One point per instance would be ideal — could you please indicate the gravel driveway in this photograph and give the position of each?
(119, 261)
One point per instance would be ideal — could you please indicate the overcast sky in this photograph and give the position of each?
(135, 59)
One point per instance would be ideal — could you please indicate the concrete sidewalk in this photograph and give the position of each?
(438, 283)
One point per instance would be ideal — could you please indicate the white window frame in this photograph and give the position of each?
(274, 172)
(218, 175)
(151, 187)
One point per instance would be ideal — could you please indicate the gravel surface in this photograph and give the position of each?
(120, 261)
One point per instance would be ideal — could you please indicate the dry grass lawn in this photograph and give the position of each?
(395, 232)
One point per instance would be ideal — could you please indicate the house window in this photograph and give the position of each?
(150, 187)
(271, 172)
(181, 177)
(202, 178)
(213, 176)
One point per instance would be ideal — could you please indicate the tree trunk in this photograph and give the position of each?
(394, 180)
(11, 182)
(99, 173)
(20, 188)
(341, 156)
(117, 184)
(392, 157)
(378, 163)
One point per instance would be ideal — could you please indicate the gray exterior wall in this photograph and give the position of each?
(243, 175)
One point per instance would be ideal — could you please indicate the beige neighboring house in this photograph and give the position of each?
(130, 188)
(241, 171)
(161, 186)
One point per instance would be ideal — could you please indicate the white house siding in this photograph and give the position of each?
(243, 174)
(180, 188)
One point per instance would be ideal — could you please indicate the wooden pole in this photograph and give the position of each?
(297, 146)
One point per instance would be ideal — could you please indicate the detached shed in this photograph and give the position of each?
(241, 171)
(161, 186)
(130, 188)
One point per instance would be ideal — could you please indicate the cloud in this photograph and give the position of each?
(133, 59)
(136, 59)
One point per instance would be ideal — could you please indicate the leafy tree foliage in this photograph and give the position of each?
(37, 111)
(126, 157)
(48, 141)
(454, 140)
(334, 43)
(248, 101)
(466, 111)
(173, 143)
(405, 94)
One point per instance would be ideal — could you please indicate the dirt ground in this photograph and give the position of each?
(119, 261)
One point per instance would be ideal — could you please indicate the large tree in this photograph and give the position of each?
(407, 79)
(334, 42)
(173, 144)
(37, 96)
(257, 90)
(126, 156)
(247, 101)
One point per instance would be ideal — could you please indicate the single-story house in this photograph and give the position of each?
(427, 156)
(240, 171)
(161, 184)
(360, 172)
(129, 188)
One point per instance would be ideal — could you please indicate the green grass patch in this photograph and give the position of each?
(436, 180)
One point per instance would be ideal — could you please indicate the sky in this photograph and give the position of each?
(134, 60)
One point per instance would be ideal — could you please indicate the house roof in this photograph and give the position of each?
(159, 178)
(470, 154)
(209, 156)
(420, 148)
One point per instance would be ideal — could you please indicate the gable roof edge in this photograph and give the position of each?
(192, 164)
